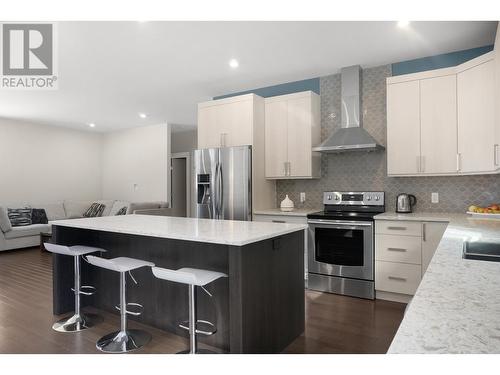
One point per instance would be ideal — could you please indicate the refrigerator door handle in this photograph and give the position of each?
(221, 193)
(216, 192)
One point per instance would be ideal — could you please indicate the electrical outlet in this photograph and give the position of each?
(435, 197)
(136, 187)
(302, 197)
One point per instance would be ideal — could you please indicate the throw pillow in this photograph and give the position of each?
(122, 211)
(38, 216)
(95, 210)
(19, 217)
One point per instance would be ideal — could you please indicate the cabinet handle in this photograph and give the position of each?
(279, 221)
(222, 139)
(396, 249)
(418, 164)
(396, 228)
(289, 168)
(424, 236)
(495, 154)
(284, 169)
(459, 157)
(397, 278)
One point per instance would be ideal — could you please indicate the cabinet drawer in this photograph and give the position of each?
(405, 228)
(397, 277)
(391, 248)
(281, 219)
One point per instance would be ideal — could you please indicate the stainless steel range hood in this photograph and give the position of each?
(351, 136)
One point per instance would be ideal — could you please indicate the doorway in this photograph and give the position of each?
(180, 180)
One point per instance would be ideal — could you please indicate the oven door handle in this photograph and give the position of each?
(344, 223)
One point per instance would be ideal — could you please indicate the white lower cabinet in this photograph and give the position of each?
(403, 251)
(291, 220)
(397, 277)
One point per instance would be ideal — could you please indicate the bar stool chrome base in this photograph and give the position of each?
(198, 351)
(123, 341)
(77, 322)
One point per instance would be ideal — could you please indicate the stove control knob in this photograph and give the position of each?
(337, 197)
(377, 198)
(329, 197)
(369, 198)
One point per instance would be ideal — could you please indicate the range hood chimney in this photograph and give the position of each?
(351, 136)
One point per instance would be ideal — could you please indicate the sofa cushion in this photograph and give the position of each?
(95, 210)
(54, 211)
(117, 206)
(19, 217)
(145, 206)
(5, 224)
(108, 205)
(76, 209)
(38, 216)
(27, 231)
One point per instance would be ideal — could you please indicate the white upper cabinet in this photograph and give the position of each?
(403, 128)
(292, 130)
(276, 154)
(226, 122)
(476, 119)
(497, 95)
(442, 122)
(438, 125)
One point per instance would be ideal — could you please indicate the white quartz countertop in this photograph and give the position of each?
(456, 308)
(227, 232)
(295, 212)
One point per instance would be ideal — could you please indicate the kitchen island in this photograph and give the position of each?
(259, 308)
(456, 308)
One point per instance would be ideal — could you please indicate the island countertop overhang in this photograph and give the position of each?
(226, 232)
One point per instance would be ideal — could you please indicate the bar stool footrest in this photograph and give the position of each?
(206, 332)
(134, 305)
(83, 288)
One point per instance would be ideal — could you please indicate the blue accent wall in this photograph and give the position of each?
(439, 61)
(405, 67)
(282, 89)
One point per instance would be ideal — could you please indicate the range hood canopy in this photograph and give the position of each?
(351, 136)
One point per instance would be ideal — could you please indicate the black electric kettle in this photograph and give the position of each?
(405, 202)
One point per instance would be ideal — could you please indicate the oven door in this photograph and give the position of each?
(341, 248)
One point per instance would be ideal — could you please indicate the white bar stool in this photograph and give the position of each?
(193, 277)
(79, 321)
(124, 340)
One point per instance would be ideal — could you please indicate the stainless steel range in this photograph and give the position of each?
(341, 243)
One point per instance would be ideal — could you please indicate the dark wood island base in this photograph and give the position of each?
(259, 308)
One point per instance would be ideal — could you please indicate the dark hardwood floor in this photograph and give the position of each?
(334, 324)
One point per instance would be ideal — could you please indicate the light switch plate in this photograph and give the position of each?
(435, 197)
(302, 197)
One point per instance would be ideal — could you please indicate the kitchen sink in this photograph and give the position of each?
(479, 250)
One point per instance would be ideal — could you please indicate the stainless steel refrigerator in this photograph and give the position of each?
(223, 183)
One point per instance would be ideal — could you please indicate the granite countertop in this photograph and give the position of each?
(456, 308)
(227, 232)
(295, 212)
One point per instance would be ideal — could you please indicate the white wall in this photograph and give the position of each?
(41, 164)
(184, 141)
(135, 164)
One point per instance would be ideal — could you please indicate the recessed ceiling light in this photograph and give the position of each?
(92, 125)
(233, 63)
(142, 115)
(403, 24)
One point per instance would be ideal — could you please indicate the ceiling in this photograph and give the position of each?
(111, 71)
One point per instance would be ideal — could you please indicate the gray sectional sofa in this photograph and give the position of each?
(28, 236)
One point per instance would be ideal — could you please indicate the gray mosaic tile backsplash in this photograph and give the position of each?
(368, 171)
